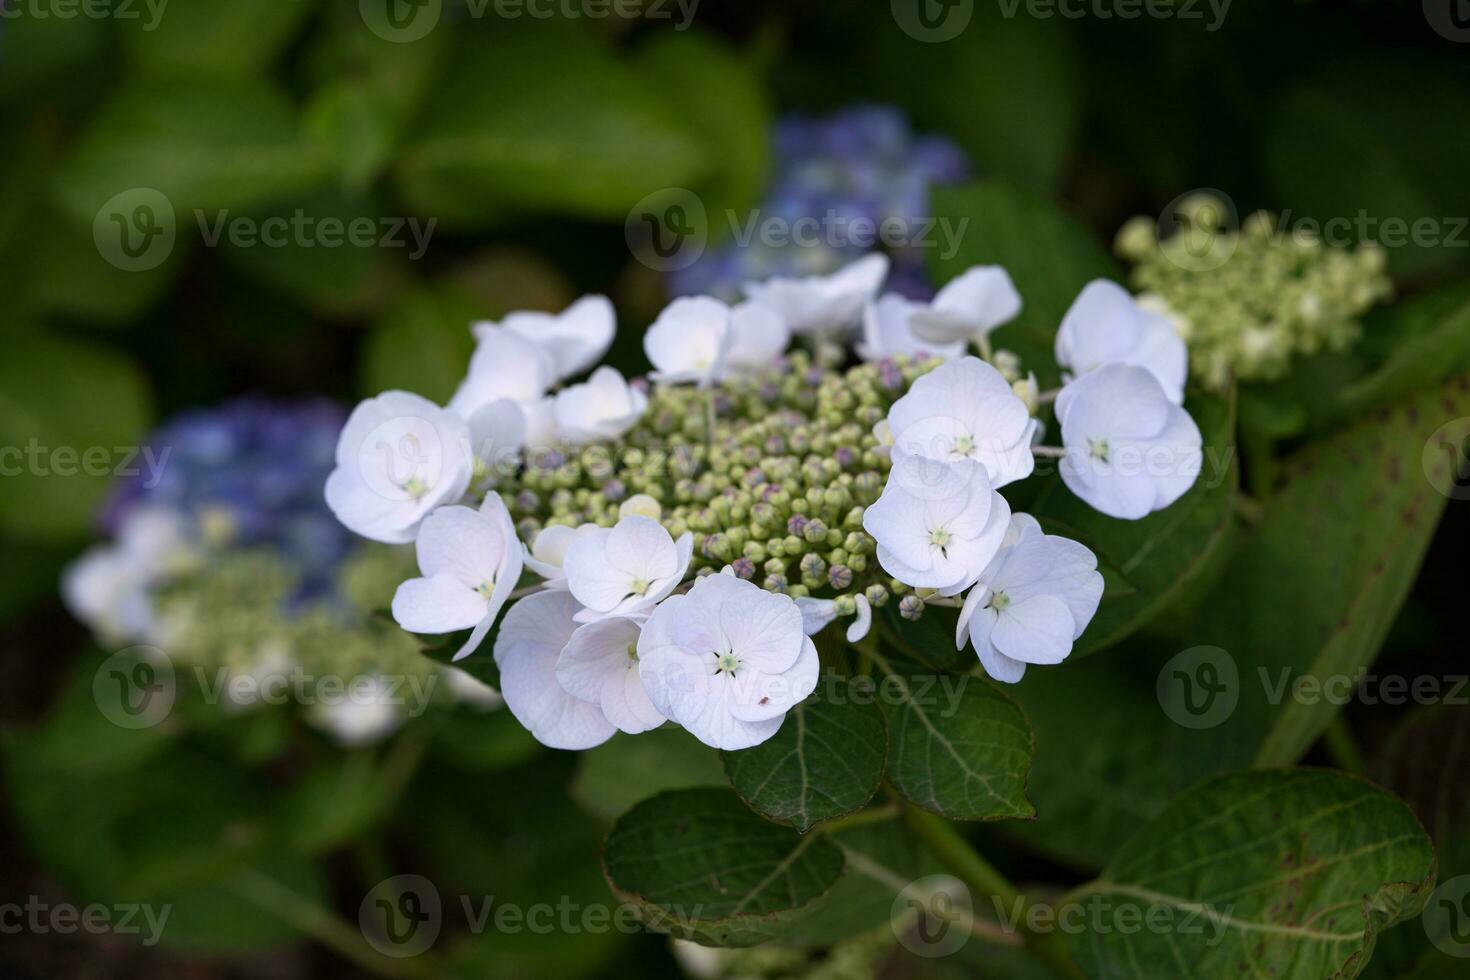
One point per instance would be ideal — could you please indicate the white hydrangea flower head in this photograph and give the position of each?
(601, 409)
(727, 660)
(689, 341)
(600, 665)
(1106, 325)
(574, 339)
(471, 561)
(535, 631)
(969, 307)
(1031, 603)
(828, 304)
(937, 524)
(626, 569)
(548, 551)
(1130, 450)
(758, 336)
(888, 331)
(398, 458)
(965, 410)
(504, 365)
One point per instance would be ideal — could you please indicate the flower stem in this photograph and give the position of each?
(1047, 397)
(1055, 452)
(948, 845)
(1342, 748)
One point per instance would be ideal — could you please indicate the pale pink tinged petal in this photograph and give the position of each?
(461, 542)
(438, 604)
(1037, 630)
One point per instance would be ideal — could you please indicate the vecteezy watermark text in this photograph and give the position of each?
(307, 231)
(37, 459)
(148, 11)
(37, 916)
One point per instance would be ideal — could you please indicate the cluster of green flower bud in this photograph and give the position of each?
(1246, 301)
(769, 471)
(240, 612)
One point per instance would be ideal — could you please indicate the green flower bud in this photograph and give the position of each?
(911, 607)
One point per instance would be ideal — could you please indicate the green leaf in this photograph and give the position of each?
(336, 802)
(243, 913)
(957, 746)
(1310, 594)
(824, 761)
(71, 277)
(698, 864)
(421, 344)
(70, 414)
(545, 120)
(628, 768)
(882, 859)
(208, 145)
(1159, 556)
(1047, 253)
(1288, 874)
(210, 37)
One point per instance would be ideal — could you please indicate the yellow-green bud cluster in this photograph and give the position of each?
(1247, 301)
(770, 472)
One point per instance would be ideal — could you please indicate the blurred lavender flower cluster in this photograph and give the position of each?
(863, 163)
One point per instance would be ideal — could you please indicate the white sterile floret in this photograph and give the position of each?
(727, 660)
(641, 503)
(689, 341)
(548, 551)
(497, 433)
(965, 410)
(398, 457)
(600, 665)
(1130, 449)
(575, 339)
(541, 432)
(625, 569)
(601, 409)
(504, 365)
(828, 304)
(969, 306)
(758, 336)
(369, 712)
(937, 524)
(888, 330)
(109, 591)
(471, 560)
(1031, 603)
(532, 637)
(1105, 325)
(817, 613)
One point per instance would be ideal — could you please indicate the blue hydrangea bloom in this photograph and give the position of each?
(863, 162)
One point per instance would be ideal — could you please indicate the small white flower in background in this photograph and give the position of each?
(471, 560)
(548, 551)
(965, 410)
(758, 336)
(937, 524)
(600, 665)
(469, 689)
(535, 631)
(109, 591)
(575, 339)
(504, 365)
(399, 456)
(1157, 305)
(497, 433)
(624, 570)
(600, 409)
(1130, 449)
(817, 613)
(367, 714)
(689, 341)
(727, 660)
(887, 330)
(969, 307)
(1105, 325)
(641, 503)
(1031, 603)
(823, 304)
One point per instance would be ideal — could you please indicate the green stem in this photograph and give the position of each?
(947, 844)
(1341, 746)
(326, 928)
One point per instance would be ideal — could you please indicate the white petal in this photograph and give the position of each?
(597, 665)
(437, 604)
(862, 622)
(759, 336)
(462, 543)
(815, 613)
(1037, 630)
(504, 365)
(527, 647)
(576, 338)
(973, 303)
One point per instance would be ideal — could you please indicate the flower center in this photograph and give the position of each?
(416, 487)
(486, 588)
(633, 653)
(639, 586)
(1098, 448)
(999, 601)
(964, 445)
(726, 663)
(939, 538)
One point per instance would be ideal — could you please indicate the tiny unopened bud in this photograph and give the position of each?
(911, 607)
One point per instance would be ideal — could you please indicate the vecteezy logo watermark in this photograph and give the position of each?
(1202, 221)
(668, 229)
(1199, 688)
(135, 688)
(1446, 459)
(90, 9)
(134, 230)
(401, 21)
(404, 21)
(39, 917)
(402, 916)
(1449, 18)
(933, 916)
(1447, 917)
(932, 21)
